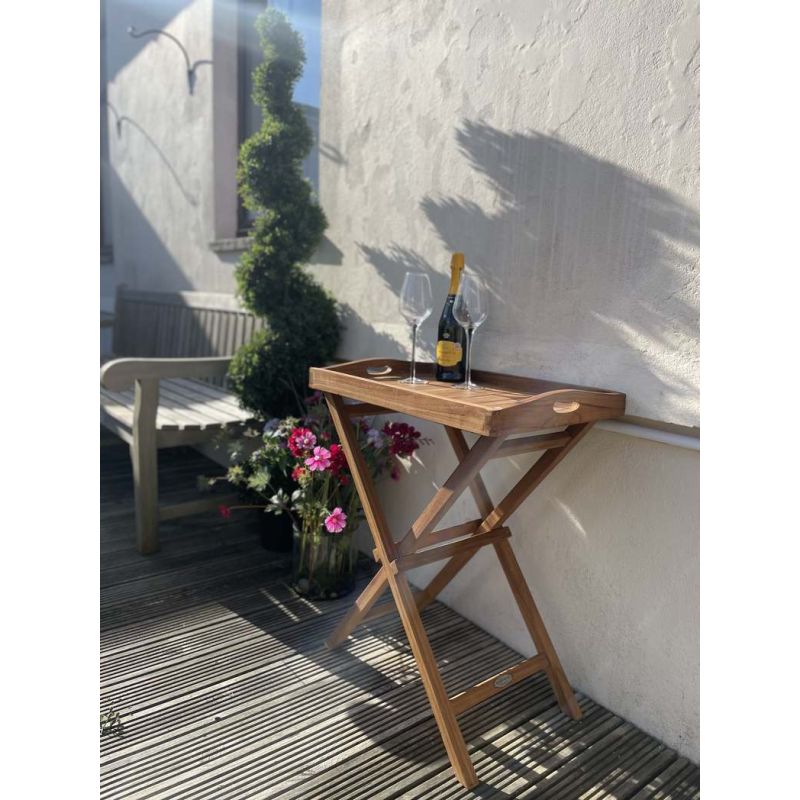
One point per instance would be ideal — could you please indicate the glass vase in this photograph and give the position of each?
(324, 564)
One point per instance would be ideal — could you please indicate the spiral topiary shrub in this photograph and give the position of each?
(270, 373)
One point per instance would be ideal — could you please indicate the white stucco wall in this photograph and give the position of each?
(556, 144)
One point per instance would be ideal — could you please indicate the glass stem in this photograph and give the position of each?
(468, 380)
(414, 352)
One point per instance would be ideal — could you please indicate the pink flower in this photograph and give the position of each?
(301, 440)
(336, 521)
(224, 511)
(320, 460)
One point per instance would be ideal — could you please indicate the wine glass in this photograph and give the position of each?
(470, 311)
(416, 304)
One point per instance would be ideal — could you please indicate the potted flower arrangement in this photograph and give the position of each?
(323, 504)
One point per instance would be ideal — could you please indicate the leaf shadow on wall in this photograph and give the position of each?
(392, 264)
(590, 267)
(360, 330)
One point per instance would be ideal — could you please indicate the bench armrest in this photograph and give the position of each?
(120, 373)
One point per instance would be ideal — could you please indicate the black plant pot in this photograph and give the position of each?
(276, 533)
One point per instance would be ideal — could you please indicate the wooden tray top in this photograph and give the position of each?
(508, 403)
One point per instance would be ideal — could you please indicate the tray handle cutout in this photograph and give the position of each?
(561, 407)
(379, 371)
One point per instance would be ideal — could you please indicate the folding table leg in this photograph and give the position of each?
(510, 503)
(536, 628)
(375, 519)
(508, 560)
(443, 713)
(485, 507)
(409, 607)
(356, 615)
(478, 488)
(469, 466)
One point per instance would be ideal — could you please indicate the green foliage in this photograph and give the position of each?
(270, 373)
(261, 471)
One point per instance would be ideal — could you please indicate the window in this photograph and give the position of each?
(304, 15)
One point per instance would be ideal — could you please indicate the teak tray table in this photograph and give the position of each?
(507, 405)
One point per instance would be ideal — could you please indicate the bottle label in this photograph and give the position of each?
(448, 354)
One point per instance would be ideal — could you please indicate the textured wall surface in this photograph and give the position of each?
(161, 148)
(556, 144)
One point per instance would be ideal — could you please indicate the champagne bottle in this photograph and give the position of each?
(451, 353)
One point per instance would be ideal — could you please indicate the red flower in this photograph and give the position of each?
(298, 472)
(403, 438)
(338, 460)
(224, 511)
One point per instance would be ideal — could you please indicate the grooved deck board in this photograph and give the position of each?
(226, 689)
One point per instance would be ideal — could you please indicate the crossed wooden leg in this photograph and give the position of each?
(414, 549)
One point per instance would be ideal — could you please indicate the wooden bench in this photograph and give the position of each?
(165, 386)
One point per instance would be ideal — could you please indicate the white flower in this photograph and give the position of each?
(374, 437)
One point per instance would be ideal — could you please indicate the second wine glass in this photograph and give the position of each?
(470, 311)
(416, 304)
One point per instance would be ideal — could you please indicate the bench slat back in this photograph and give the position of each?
(180, 325)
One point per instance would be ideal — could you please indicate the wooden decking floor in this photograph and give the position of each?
(226, 689)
